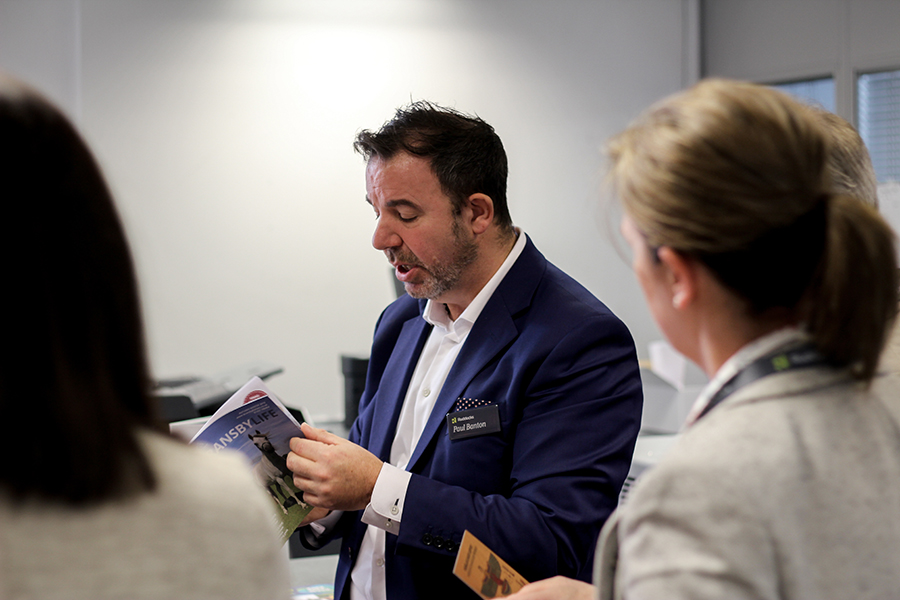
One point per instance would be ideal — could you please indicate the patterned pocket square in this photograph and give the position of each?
(469, 404)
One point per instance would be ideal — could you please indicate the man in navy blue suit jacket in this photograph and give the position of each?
(501, 397)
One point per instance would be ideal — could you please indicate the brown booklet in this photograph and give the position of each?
(483, 571)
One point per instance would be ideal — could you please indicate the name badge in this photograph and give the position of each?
(464, 424)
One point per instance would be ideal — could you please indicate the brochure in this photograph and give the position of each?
(254, 422)
(483, 571)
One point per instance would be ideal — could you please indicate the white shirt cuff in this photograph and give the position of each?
(385, 509)
(326, 523)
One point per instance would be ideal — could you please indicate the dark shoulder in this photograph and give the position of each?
(559, 283)
(399, 311)
(569, 307)
(552, 290)
(392, 320)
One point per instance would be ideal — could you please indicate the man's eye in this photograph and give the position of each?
(406, 219)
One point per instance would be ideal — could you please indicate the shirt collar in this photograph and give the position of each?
(738, 361)
(435, 313)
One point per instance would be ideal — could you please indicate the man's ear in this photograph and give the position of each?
(681, 276)
(481, 212)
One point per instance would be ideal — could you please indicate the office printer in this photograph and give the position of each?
(190, 396)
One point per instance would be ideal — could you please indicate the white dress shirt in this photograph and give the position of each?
(385, 510)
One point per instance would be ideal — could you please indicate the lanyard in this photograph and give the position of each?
(781, 361)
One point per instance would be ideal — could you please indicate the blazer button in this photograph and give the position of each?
(439, 542)
(427, 539)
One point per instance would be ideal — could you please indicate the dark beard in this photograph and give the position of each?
(445, 276)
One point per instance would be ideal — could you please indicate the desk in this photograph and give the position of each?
(313, 570)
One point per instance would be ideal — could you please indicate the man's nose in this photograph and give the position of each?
(384, 236)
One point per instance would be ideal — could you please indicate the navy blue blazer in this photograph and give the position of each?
(563, 371)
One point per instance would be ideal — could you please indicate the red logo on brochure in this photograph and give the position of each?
(254, 395)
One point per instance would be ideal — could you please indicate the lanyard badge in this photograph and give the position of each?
(801, 357)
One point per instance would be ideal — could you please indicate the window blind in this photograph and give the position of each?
(878, 106)
(819, 92)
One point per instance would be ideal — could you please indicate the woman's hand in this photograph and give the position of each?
(555, 588)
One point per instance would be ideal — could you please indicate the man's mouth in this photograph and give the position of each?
(404, 263)
(404, 270)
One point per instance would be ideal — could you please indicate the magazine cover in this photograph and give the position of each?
(256, 424)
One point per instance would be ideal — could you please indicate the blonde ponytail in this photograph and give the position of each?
(740, 176)
(850, 305)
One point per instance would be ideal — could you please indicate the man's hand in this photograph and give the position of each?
(555, 588)
(333, 473)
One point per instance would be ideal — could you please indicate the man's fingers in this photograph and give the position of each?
(319, 435)
(311, 450)
(307, 486)
(300, 446)
(293, 461)
(314, 501)
(312, 496)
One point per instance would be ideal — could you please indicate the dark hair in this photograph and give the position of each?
(737, 175)
(74, 382)
(466, 155)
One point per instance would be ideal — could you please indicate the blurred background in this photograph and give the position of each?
(225, 130)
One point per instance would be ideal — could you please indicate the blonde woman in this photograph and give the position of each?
(786, 481)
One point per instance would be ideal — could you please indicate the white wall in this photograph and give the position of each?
(225, 129)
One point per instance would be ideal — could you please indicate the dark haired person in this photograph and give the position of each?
(758, 265)
(501, 398)
(96, 501)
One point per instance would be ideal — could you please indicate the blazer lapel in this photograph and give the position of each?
(394, 382)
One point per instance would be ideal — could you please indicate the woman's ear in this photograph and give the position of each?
(482, 212)
(681, 276)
